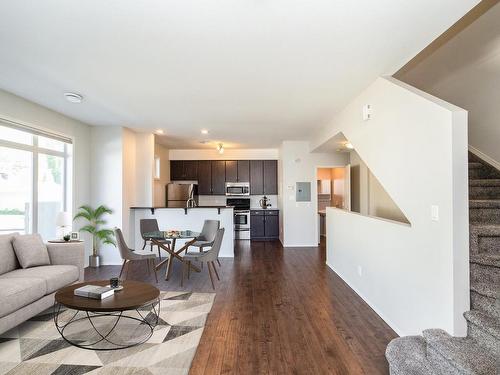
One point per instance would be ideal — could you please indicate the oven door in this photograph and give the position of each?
(242, 219)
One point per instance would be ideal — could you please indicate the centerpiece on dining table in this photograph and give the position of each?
(173, 233)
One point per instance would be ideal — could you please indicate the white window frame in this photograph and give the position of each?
(36, 150)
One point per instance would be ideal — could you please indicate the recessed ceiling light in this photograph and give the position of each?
(204, 131)
(72, 97)
(349, 145)
(159, 131)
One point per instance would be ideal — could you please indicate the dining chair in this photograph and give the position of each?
(208, 256)
(151, 225)
(128, 255)
(207, 235)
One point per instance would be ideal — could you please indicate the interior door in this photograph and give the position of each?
(347, 187)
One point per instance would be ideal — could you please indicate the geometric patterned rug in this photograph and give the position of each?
(36, 347)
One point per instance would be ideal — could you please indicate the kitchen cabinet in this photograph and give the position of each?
(218, 177)
(264, 224)
(270, 177)
(256, 177)
(183, 170)
(204, 177)
(243, 171)
(231, 171)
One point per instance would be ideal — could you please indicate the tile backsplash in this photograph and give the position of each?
(220, 200)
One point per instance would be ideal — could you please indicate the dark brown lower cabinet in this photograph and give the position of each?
(264, 224)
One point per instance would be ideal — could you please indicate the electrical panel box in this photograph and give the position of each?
(303, 192)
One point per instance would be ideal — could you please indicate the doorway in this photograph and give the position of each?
(333, 190)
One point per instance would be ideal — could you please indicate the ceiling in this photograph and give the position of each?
(252, 72)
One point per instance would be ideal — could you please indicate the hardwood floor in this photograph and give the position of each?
(279, 311)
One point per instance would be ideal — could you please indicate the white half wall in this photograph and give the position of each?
(415, 276)
(17, 109)
(299, 220)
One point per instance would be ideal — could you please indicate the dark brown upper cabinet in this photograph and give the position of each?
(271, 177)
(183, 170)
(204, 177)
(243, 171)
(176, 169)
(256, 177)
(218, 177)
(231, 171)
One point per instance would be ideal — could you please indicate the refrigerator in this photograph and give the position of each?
(177, 195)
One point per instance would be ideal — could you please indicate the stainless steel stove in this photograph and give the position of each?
(241, 217)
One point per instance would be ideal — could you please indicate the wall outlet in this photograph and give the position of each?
(367, 112)
(360, 271)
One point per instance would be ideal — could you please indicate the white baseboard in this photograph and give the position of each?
(372, 305)
(483, 156)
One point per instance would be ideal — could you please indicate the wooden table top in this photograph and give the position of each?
(133, 295)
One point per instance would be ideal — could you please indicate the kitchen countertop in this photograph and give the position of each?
(264, 209)
(153, 208)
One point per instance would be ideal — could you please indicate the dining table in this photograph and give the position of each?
(158, 238)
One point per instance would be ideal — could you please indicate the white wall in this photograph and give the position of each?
(19, 110)
(159, 184)
(229, 154)
(144, 151)
(299, 220)
(107, 179)
(465, 71)
(415, 276)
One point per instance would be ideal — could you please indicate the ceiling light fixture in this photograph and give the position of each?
(349, 145)
(204, 131)
(159, 131)
(73, 98)
(220, 148)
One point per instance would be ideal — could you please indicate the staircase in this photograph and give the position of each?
(436, 352)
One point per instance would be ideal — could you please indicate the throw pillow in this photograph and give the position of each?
(8, 257)
(31, 251)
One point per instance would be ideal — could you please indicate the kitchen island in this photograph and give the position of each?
(192, 218)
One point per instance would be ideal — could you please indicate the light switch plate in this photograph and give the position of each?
(434, 213)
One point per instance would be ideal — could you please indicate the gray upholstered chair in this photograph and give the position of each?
(128, 255)
(151, 225)
(206, 256)
(207, 235)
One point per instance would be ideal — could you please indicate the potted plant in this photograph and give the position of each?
(99, 234)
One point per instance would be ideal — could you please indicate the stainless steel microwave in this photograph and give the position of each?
(237, 188)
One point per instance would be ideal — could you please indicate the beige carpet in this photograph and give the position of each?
(36, 347)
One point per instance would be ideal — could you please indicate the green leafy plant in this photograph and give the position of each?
(94, 227)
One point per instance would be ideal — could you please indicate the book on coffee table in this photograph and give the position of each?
(94, 291)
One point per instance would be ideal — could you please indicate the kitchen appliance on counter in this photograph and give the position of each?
(181, 195)
(265, 202)
(241, 217)
(238, 188)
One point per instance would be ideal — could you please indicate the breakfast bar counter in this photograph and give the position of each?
(180, 218)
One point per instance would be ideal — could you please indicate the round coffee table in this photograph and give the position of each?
(137, 304)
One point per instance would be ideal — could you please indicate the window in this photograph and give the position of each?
(35, 180)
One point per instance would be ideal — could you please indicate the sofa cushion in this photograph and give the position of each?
(18, 292)
(52, 277)
(7, 255)
(30, 250)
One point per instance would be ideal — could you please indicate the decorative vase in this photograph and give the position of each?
(94, 261)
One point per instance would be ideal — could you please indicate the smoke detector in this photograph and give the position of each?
(73, 97)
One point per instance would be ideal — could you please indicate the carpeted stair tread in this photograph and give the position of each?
(484, 203)
(485, 289)
(487, 323)
(475, 164)
(407, 356)
(485, 182)
(460, 352)
(485, 229)
(492, 260)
